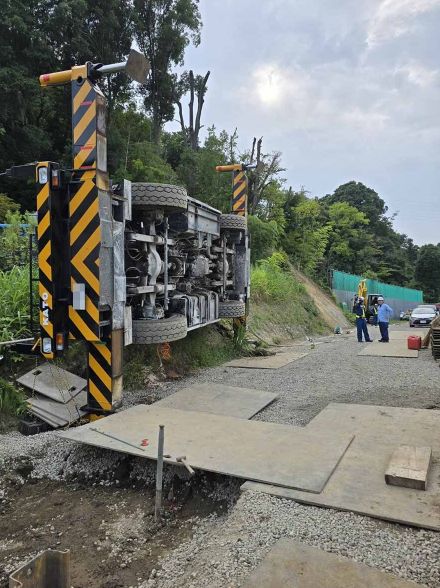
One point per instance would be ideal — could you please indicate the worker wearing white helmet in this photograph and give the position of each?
(361, 321)
(384, 314)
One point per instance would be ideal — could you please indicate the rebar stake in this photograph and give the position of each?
(159, 474)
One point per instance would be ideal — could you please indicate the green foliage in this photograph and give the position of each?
(39, 36)
(271, 281)
(163, 30)
(196, 169)
(349, 245)
(14, 240)
(14, 303)
(307, 233)
(264, 237)
(12, 401)
(7, 205)
(427, 272)
(281, 307)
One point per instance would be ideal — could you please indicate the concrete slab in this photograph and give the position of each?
(242, 403)
(358, 483)
(52, 381)
(60, 413)
(395, 348)
(294, 565)
(271, 362)
(253, 450)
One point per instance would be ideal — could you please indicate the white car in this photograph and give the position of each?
(422, 316)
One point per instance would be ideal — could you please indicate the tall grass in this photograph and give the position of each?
(280, 306)
(14, 303)
(12, 401)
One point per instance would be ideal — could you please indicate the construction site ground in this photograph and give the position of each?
(99, 504)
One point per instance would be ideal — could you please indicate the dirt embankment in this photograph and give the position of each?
(329, 310)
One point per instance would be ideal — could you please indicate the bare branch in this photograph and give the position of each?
(191, 108)
(201, 90)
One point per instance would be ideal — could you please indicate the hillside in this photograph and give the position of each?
(328, 309)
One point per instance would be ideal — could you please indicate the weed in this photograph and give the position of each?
(12, 401)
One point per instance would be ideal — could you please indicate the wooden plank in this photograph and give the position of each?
(253, 450)
(409, 467)
(294, 565)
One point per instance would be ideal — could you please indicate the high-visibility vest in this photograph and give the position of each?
(363, 313)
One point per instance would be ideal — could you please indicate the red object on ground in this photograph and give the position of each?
(144, 442)
(414, 342)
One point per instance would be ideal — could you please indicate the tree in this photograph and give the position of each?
(39, 36)
(7, 206)
(350, 247)
(265, 237)
(163, 30)
(197, 88)
(307, 234)
(268, 167)
(365, 199)
(427, 272)
(196, 169)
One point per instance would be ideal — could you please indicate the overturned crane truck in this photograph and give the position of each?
(129, 263)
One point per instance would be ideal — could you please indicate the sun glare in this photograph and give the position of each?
(269, 85)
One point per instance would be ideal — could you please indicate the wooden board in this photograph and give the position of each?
(358, 483)
(294, 565)
(242, 403)
(409, 467)
(253, 450)
(271, 362)
(395, 348)
(52, 381)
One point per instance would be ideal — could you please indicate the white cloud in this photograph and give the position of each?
(394, 18)
(419, 75)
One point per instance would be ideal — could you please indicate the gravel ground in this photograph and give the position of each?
(225, 548)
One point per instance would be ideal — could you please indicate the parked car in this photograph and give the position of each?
(422, 316)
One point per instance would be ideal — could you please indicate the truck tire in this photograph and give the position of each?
(233, 222)
(145, 196)
(231, 309)
(146, 332)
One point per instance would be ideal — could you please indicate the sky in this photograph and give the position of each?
(345, 89)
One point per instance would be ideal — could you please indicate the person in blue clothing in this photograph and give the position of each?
(384, 315)
(361, 321)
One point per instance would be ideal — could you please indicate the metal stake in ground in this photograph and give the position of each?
(159, 472)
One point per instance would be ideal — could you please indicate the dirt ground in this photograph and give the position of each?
(110, 530)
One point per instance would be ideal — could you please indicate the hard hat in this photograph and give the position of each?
(361, 298)
(380, 298)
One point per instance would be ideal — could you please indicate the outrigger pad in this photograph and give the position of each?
(138, 66)
(52, 381)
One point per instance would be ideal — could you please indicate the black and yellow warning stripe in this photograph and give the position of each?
(239, 195)
(85, 243)
(99, 360)
(84, 125)
(45, 285)
(85, 228)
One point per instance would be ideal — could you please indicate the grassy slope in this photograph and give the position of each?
(281, 308)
